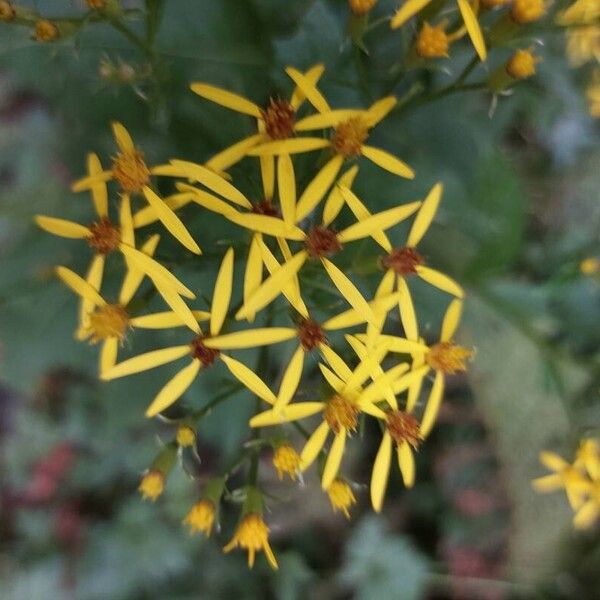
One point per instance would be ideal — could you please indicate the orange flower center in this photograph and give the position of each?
(403, 428)
(108, 321)
(311, 334)
(341, 414)
(403, 260)
(130, 171)
(448, 357)
(205, 355)
(322, 241)
(349, 137)
(266, 207)
(105, 237)
(46, 31)
(7, 12)
(279, 118)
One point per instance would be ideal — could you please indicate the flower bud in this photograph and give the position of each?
(521, 64)
(7, 12)
(527, 11)
(360, 8)
(432, 42)
(46, 31)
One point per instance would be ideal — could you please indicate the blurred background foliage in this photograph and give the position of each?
(519, 213)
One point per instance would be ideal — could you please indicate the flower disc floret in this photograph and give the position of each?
(108, 321)
(448, 357)
(311, 334)
(279, 118)
(322, 241)
(403, 261)
(403, 427)
(349, 137)
(130, 171)
(205, 355)
(340, 414)
(105, 237)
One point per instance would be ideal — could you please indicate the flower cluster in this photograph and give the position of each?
(580, 480)
(377, 370)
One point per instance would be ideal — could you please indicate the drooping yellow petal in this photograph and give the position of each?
(233, 154)
(226, 98)
(381, 472)
(205, 176)
(207, 200)
(409, 379)
(291, 378)
(313, 445)
(309, 90)
(380, 109)
(362, 213)
(406, 462)
(94, 278)
(251, 338)
(285, 414)
(108, 354)
(249, 378)
(548, 483)
(174, 389)
(451, 320)
(80, 286)
(222, 293)
(122, 138)
(254, 270)
(425, 215)
(332, 379)
(126, 221)
(266, 224)
(148, 215)
(473, 28)
(290, 146)
(587, 515)
(146, 361)
(99, 193)
(286, 180)
(171, 221)
(407, 311)
(273, 285)
(62, 227)
(334, 459)
(433, 404)
(165, 320)
(173, 299)
(377, 222)
(312, 76)
(553, 461)
(327, 119)
(387, 161)
(348, 290)
(335, 200)
(318, 187)
(86, 183)
(408, 10)
(134, 276)
(341, 369)
(440, 281)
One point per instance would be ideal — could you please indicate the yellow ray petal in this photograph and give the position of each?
(387, 161)
(208, 178)
(165, 320)
(134, 276)
(312, 76)
(381, 472)
(548, 483)
(408, 10)
(227, 99)
(254, 270)
(309, 90)
(341, 369)
(440, 281)
(272, 286)
(291, 378)
(251, 338)
(398, 344)
(327, 119)
(108, 354)
(335, 200)
(361, 213)
(290, 146)
(267, 225)
(334, 459)
(313, 446)
(222, 293)
(248, 378)
(433, 404)
(290, 412)
(122, 137)
(473, 27)
(171, 221)
(286, 180)
(173, 299)
(126, 221)
(94, 278)
(553, 461)
(99, 193)
(207, 200)
(348, 290)
(425, 215)
(267, 173)
(384, 289)
(451, 320)
(80, 286)
(406, 462)
(365, 367)
(407, 311)
(587, 515)
(381, 387)
(379, 110)
(350, 318)
(62, 227)
(230, 156)
(148, 215)
(174, 389)
(318, 187)
(146, 361)
(86, 183)
(414, 387)
(332, 379)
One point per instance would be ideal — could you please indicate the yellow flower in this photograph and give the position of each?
(521, 64)
(286, 461)
(7, 11)
(341, 410)
(152, 485)
(583, 44)
(527, 11)
(580, 13)
(360, 8)
(201, 517)
(469, 15)
(351, 128)
(46, 31)
(252, 534)
(590, 266)
(185, 436)
(276, 121)
(432, 42)
(593, 95)
(341, 497)
(204, 349)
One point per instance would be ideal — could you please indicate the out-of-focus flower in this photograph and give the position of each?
(432, 41)
(185, 436)
(580, 13)
(341, 497)
(201, 517)
(590, 266)
(46, 31)
(96, 4)
(583, 44)
(7, 11)
(527, 11)
(593, 95)
(360, 8)
(521, 64)
(152, 485)
(286, 461)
